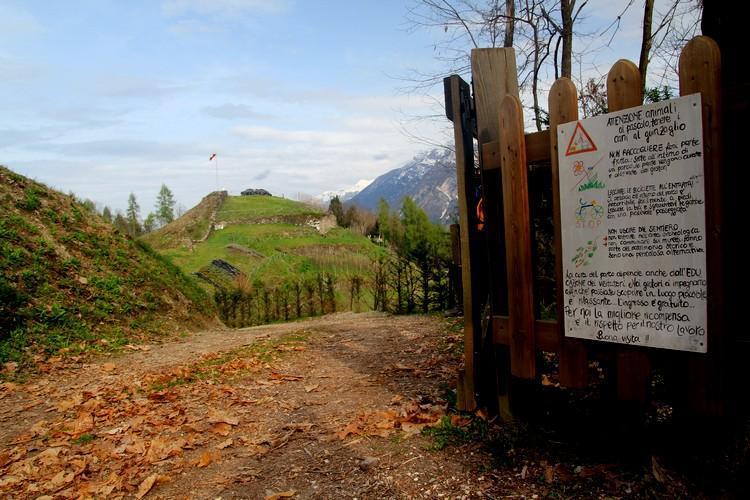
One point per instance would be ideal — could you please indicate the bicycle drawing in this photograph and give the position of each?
(589, 210)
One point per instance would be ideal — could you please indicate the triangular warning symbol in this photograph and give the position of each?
(580, 142)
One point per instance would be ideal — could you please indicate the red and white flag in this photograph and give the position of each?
(212, 157)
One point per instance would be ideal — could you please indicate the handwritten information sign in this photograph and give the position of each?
(633, 226)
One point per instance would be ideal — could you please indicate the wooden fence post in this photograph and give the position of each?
(517, 239)
(563, 108)
(494, 75)
(633, 366)
(700, 71)
(459, 111)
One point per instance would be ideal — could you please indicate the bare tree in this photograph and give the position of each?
(676, 23)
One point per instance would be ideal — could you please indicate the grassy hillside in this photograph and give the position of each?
(69, 281)
(249, 209)
(267, 238)
(193, 225)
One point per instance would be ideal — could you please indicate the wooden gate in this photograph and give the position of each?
(504, 333)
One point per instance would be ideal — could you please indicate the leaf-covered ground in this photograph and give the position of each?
(344, 406)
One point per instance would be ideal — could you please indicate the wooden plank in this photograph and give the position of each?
(518, 239)
(633, 366)
(457, 90)
(537, 146)
(491, 155)
(494, 76)
(700, 71)
(545, 333)
(563, 108)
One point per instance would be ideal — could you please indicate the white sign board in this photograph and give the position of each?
(633, 226)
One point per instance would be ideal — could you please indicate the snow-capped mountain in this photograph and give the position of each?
(345, 194)
(429, 179)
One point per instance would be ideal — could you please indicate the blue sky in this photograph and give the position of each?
(107, 97)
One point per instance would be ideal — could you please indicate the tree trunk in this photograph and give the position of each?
(535, 80)
(648, 14)
(510, 22)
(566, 10)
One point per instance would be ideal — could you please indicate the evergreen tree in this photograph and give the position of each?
(120, 223)
(107, 214)
(149, 223)
(132, 216)
(165, 203)
(337, 208)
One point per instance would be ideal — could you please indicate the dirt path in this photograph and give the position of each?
(344, 406)
(327, 408)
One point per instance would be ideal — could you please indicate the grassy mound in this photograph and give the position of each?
(280, 251)
(192, 226)
(259, 209)
(70, 282)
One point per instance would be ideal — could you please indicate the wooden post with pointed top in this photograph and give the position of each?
(494, 75)
(700, 71)
(633, 366)
(563, 108)
(517, 239)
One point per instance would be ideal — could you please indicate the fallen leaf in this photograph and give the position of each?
(60, 479)
(207, 457)
(84, 423)
(283, 494)
(460, 421)
(216, 417)
(221, 428)
(401, 366)
(352, 429)
(225, 444)
(284, 376)
(300, 426)
(4, 459)
(658, 471)
(162, 448)
(549, 474)
(10, 367)
(411, 429)
(146, 486)
(310, 388)
(108, 367)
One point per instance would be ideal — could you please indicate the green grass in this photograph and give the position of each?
(69, 282)
(446, 434)
(248, 208)
(289, 250)
(262, 351)
(84, 439)
(594, 183)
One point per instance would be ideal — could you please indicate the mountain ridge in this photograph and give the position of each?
(429, 179)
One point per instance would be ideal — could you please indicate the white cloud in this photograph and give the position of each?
(270, 134)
